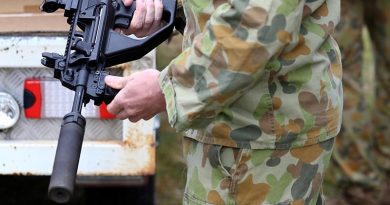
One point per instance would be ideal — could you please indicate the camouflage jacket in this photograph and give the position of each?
(257, 73)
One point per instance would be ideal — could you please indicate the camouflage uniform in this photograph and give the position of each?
(361, 157)
(224, 175)
(262, 77)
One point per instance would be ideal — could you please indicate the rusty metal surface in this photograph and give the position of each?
(111, 158)
(133, 156)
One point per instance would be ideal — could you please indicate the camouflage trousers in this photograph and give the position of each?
(223, 175)
(362, 151)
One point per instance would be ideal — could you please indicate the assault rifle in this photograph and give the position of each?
(92, 45)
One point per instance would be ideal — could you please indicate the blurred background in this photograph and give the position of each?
(171, 173)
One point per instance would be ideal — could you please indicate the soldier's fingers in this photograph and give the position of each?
(148, 116)
(119, 30)
(149, 16)
(127, 2)
(156, 25)
(135, 118)
(158, 11)
(116, 82)
(115, 106)
(139, 17)
(122, 115)
(118, 103)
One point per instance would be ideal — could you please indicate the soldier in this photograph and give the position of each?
(361, 157)
(257, 92)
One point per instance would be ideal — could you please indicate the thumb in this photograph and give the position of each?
(127, 2)
(115, 82)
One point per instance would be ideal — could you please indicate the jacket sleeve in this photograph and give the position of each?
(227, 58)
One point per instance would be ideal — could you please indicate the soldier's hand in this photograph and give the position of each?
(140, 96)
(146, 19)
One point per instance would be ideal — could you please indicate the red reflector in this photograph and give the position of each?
(32, 98)
(104, 114)
(47, 98)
